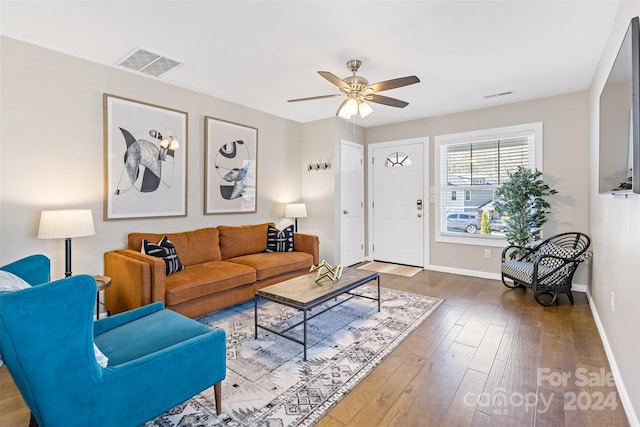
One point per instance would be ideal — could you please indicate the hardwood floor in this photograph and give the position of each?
(488, 356)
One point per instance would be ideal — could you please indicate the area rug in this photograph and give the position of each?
(397, 269)
(268, 383)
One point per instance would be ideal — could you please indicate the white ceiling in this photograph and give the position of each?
(261, 53)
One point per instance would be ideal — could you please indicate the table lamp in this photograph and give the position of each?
(295, 210)
(65, 224)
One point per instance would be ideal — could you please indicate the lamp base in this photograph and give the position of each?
(67, 257)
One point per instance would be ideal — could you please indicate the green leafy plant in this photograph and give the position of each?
(485, 224)
(521, 200)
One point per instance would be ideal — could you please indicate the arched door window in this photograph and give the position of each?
(396, 160)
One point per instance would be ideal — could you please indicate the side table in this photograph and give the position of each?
(103, 283)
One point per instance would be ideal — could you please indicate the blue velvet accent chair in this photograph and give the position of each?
(157, 357)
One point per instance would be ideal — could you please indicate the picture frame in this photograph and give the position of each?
(231, 167)
(145, 160)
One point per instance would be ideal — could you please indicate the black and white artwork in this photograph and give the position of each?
(145, 160)
(231, 167)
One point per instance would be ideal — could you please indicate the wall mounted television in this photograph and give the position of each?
(619, 142)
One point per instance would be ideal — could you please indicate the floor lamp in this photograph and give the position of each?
(65, 224)
(295, 210)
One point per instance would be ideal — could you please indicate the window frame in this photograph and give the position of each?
(529, 129)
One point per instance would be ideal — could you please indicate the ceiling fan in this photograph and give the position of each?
(358, 90)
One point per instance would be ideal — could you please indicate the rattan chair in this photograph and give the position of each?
(547, 268)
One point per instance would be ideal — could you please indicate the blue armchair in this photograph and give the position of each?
(157, 358)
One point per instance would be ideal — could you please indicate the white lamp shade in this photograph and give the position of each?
(66, 223)
(295, 210)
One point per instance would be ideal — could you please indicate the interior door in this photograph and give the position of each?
(351, 203)
(398, 203)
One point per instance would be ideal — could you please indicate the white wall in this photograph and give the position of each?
(615, 229)
(51, 153)
(565, 153)
(320, 189)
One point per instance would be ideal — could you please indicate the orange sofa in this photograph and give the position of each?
(223, 266)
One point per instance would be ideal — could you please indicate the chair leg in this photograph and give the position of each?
(217, 391)
(570, 295)
(33, 422)
(510, 286)
(537, 294)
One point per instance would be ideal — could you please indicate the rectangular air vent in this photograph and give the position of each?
(495, 95)
(147, 62)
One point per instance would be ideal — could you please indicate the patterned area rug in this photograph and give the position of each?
(397, 269)
(268, 384)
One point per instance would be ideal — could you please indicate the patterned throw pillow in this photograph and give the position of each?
(280, 241)
(9, 282)
(166, 251)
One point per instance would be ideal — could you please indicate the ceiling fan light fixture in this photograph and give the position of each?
(364, 109)
(349, 108)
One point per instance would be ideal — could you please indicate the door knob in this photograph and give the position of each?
(419, 215)
(346, 212)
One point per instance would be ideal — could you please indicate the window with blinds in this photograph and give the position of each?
(475, 164)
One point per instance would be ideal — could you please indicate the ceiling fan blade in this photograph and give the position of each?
(311, 98)
(334, 79)
(379, 99)
(393, 83)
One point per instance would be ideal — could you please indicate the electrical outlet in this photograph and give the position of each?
(487, 253)
(613, 307)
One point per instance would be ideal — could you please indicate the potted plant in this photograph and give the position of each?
(521, 200)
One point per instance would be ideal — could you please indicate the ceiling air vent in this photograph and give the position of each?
(149, 63)
(495, 95)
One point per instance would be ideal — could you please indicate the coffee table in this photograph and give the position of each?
(305, 294)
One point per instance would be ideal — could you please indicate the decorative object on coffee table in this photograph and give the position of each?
(332, 273)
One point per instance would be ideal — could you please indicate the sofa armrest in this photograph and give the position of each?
(136, 280)
(308, 243)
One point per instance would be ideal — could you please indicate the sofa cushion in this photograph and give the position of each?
(270, 264)
(280, 240)
(193, 247)
(243, 239)
(205, 279)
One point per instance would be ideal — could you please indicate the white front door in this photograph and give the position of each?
(351, 203)
(398, 203)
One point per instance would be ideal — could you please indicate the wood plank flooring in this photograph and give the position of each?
(488, 356)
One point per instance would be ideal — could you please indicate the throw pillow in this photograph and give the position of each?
(9, 282)
(280, 241)
(166, 251)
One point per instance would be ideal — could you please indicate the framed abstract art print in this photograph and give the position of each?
(230, 167)
(145, 160)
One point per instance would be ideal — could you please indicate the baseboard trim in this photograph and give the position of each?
(486, 275)
(634, 421)
(464, 272)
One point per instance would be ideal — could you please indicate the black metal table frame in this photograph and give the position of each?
(307, 308)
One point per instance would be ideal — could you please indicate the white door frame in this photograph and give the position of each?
(426, 202)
